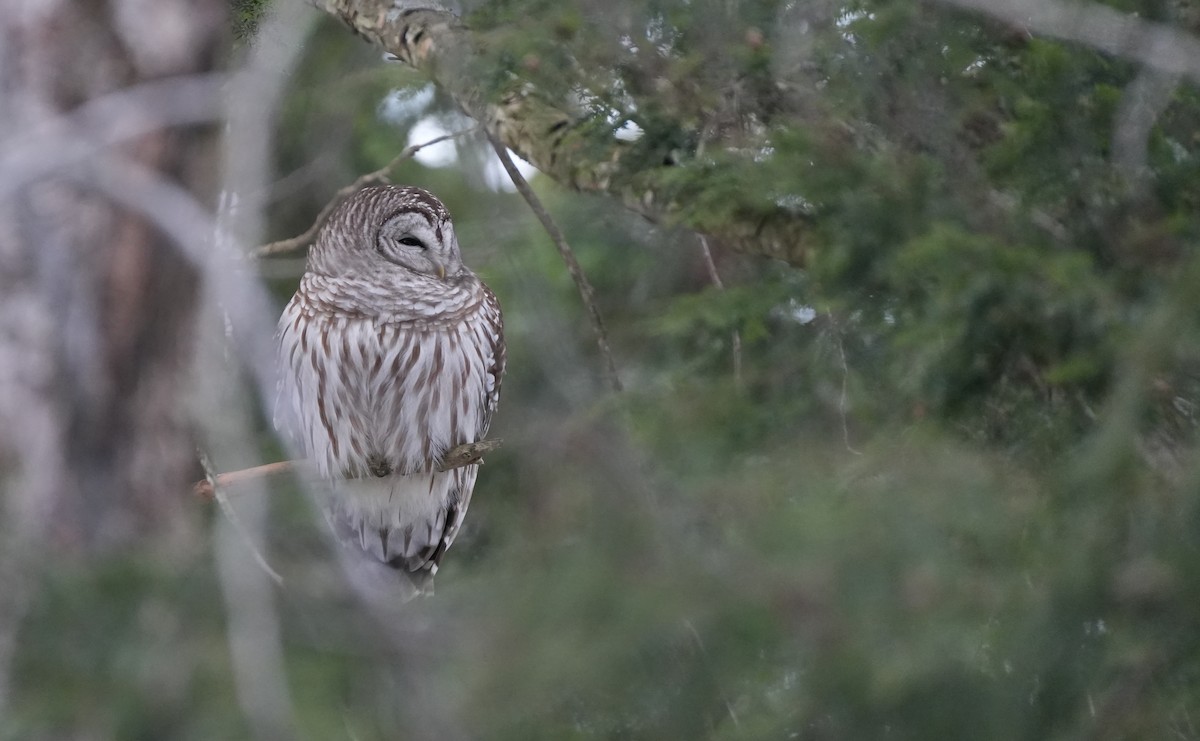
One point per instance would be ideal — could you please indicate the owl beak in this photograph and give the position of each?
(441, 272)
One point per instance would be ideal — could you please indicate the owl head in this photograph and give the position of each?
(388, 230)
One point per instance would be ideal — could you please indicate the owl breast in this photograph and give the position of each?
(374, 395)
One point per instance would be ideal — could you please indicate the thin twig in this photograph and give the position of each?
(586, 292)
(232, 516)
(716, 678)
(1143, 101)
(205, 487)
(458, 457)
(716, 279)
(844, 400)
(376, 177)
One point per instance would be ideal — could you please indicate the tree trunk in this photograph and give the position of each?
(96, 305)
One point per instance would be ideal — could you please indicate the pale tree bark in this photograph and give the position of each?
(558, 141)
(96, 304)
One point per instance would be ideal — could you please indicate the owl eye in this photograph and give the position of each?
(412, 242)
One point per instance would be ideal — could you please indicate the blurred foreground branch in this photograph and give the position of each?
(97, 304)
(217, 492)
(1153, 44)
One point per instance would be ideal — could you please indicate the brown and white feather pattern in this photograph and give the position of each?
(387, 365)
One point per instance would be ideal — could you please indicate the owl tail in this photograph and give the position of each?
(388, 580)
(393, 530)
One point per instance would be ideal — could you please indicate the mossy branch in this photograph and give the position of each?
(560, 144)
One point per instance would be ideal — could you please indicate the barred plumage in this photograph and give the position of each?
(392, 354)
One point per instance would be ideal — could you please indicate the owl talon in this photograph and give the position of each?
(379, 467)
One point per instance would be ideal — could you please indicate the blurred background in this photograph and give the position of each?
(929, 471)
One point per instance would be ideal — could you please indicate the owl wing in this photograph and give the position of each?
(492, 340)
(487, 327)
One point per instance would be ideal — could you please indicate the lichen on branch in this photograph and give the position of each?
(576, 149)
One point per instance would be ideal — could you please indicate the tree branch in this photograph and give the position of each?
(558, 143)
(582, 284)
(1103, 28)
(715, 277)
(458, 457)
(205, 487)
(376, 177)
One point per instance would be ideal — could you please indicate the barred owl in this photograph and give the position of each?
(392, 352)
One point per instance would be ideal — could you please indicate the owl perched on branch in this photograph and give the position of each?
(392, 353)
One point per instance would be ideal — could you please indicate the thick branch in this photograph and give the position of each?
(550, 137)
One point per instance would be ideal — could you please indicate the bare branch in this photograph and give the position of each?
(376, 177)
(207, 488)
(586, 292)
(716, 279)
(458, 457)
(104, 122)
(1155, 45)
(1143, 102)
(716, 675)
(844, 397)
